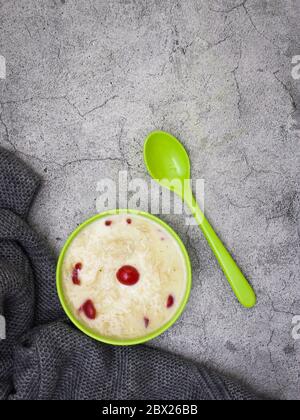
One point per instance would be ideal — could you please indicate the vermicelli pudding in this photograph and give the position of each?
(124, 276)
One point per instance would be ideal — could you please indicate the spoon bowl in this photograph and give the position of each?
(166, 158)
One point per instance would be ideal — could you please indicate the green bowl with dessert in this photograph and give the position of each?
(124, 277)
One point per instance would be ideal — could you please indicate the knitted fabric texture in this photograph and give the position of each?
(43, 356)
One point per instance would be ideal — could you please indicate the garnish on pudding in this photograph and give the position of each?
(128, 275)
(170, 301)
(108, 223)
(75, 274)
(146, 321)
(129, 221)
(89, 309)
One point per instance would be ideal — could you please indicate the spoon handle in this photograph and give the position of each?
(242, 289)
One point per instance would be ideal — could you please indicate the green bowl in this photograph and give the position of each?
(113, 340)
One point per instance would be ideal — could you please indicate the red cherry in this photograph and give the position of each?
(128, 275)
(108, 223)
(75, 274)
(170, 301)
(78, 266)
(146, 321)
(89, 309)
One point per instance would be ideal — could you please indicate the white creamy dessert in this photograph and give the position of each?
(124, 276)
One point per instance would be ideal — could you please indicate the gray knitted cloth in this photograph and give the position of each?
(44, 356)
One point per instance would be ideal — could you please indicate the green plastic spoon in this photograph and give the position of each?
(168, 163)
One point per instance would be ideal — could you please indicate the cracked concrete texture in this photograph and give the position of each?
(86, 82)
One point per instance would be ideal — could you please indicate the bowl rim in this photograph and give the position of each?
(112, 340)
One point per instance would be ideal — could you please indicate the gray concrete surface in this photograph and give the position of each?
(87, 80)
